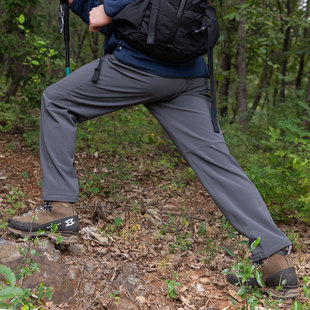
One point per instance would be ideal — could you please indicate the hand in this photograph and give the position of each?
(98, 18)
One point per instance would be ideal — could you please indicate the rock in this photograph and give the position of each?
(127, 278)
(9, 252)
(54, 275)
(49, 251)
(88, 288)
(52, 272)
(197, 289)
(204, 280)
(140, 299)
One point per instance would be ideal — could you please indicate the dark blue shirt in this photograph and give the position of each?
(124, 53)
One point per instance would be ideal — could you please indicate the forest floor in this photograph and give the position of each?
(140, 239)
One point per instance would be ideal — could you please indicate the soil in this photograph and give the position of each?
(137, 240)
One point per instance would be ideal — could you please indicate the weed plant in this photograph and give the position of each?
(252, 297)
(12, 293)
(276, 157)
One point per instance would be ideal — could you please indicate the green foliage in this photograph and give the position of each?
(118, 222)
(282, 171)
(12, 293)
(121, 128)
(245, 270)
(15, 198)
(13, 296)
(8, 274)
(276, 159)
(114, 297)
(172, 285)
(306, 290)
(36, 56)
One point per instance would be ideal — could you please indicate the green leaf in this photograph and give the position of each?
(58, 239)
(229, 252)
(242, 291)
(254, 244)
(4, 305)
(8, 274)
(10, 292)
(40, 43)
(35, 63)
(21, 18)
(118, 222)
(258, 277)
(295, 305)
(171, 291)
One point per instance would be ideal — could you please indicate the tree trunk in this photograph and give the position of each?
(81, 40)
(224, 88)
(285, 50)
(18, 75)
(242, 70)
(261, 84)
(94, 43)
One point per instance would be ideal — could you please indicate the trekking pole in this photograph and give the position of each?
(64, 28)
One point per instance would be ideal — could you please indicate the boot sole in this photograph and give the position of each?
(67, 238)
(282, 293)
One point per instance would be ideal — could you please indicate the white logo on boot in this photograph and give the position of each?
(69, 222)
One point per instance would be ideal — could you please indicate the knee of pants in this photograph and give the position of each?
(51, 97)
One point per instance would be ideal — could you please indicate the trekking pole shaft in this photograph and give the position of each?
(67, 36)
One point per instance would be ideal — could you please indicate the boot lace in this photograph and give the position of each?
(47, 206)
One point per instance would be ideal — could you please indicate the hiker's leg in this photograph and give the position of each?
(75, 99)
(187, 121)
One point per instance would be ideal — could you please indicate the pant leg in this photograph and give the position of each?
(187, 121)
(76, 98)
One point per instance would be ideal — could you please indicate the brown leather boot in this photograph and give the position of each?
(62, 214)
(278, 274)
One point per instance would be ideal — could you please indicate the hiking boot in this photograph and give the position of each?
(62, 214)
(278, 274)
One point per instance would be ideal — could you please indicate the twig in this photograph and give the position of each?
(79, 282)
(206, 304)
(101, 206)
(129, 296)
(81, 162)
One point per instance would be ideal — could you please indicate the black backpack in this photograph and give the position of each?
(175, 31)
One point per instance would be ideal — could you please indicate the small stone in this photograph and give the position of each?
(204, 280)
(140, 299)
(8, 252)
(199, 288)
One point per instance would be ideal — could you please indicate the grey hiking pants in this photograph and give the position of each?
(182, 107)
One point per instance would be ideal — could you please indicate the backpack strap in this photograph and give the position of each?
(153, 19)
(213, 95)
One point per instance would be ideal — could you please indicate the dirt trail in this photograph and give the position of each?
(131, 248)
